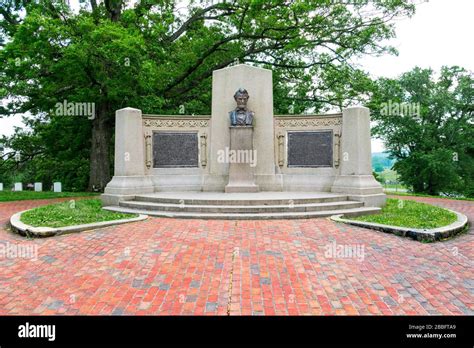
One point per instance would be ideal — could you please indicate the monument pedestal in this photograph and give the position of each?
(129, 175)
(356, 179)
(241, 158)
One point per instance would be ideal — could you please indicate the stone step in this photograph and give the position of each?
(247, 216)
(260, 198)
(244, 209)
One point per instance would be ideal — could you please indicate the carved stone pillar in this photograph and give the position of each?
(337, 147)
(129, 176)
(148, 149)
(281, 149)
(241, 172)
(203, 149)
(355, 178)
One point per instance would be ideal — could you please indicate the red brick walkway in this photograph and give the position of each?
(168, 266)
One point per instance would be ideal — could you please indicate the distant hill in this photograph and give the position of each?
(380, 161)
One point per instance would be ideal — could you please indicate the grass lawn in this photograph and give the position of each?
(389, 174)
(8, 196)
(413, 214)
(394, 186)
(393, 193)
(69, 213)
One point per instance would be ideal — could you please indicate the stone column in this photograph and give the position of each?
(258, 83)
(356, 177)
(241, 157)
(129, 176)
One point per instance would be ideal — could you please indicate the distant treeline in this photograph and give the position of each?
(381, 161)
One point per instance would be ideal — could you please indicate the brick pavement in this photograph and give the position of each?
(195, 267)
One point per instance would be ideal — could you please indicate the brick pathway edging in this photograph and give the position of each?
(421, 235)
(27, 230)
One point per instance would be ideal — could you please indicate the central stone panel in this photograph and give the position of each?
(258, 83)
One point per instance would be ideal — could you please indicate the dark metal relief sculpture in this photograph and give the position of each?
(175, 149)
(310, 149)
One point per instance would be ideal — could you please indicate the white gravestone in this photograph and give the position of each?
(18, 186)
(38, 187)
(1, 186)
(57, 187)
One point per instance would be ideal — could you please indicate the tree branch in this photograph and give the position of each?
(197, 16)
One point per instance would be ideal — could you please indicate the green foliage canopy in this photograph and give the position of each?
(159, 55)
(427, 123)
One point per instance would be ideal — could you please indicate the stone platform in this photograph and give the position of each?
(243, 206)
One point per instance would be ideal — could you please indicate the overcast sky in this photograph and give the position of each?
(440, 33)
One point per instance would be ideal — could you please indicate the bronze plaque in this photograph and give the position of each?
(310, 149)
(175, 150)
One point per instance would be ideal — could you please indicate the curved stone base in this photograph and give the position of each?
(122, 188)
(362, 188)
(241, 206)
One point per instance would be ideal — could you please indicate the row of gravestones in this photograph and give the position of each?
(38, 187)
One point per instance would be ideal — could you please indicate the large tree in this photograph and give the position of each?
(159, 55)
(427, 124)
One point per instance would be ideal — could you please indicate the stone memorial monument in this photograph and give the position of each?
(248, 154)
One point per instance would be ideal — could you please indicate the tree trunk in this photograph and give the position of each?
(100, 143)
(431, 189)
(418, 187)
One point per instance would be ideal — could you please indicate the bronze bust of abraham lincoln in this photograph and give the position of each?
(241, 116)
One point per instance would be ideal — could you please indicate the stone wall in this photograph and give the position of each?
(178, 179)
(304, 178)
(198, 178)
